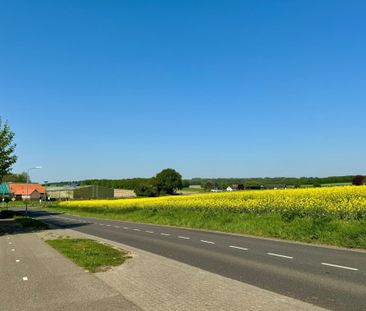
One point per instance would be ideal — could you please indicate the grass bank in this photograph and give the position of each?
(320, 229)
(89, 254)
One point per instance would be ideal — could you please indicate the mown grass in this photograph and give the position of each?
(322, 230)
(89, 254)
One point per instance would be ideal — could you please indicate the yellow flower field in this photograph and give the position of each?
(342, 202)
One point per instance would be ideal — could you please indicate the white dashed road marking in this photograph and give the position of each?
(279, 255)
(136, 229)
(149, 231)
(10, 243)
(125, 228)
(238, 247)
(183, 237)
(166, 234)
(17, 260)
(13, 249)
(25, 278)
(208, 242)
(337, 266)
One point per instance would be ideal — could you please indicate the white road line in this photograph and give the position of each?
(279, 255)
(149, 231)
(10, 243)
(183, 237)
(101, 224)
(25, 278)
(13, 249)
(136, 229)
(108, 225)
(17, 260)
(125, 228)
(166, 234)
(208, 242)
(238, 247)
(337, 266)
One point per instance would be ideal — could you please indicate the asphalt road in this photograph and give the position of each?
(328, 277)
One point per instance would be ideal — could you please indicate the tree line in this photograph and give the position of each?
(223, 183)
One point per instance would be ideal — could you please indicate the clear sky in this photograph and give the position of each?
(116, 89)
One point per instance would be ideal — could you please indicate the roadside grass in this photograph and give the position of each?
(89, 254)
(320, 230)
(30, 223)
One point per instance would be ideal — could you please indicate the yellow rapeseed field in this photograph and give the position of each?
(342, 202)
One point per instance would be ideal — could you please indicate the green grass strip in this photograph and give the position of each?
(89, 254)
(320, 230)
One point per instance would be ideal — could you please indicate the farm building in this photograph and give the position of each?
(27, 191)
(80, 193)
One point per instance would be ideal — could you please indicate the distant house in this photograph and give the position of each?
(235, 187)
(27, 191)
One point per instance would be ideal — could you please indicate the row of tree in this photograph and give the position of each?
(267, 182)
(168, 181)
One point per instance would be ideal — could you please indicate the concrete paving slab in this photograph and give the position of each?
(43, 279)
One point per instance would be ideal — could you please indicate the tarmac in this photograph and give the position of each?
(34, 276)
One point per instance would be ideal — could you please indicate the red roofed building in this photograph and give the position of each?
(27, 191)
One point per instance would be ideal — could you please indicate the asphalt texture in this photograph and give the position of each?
(328, 277)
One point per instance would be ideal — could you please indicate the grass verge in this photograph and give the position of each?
(321, 230)
(89, 254)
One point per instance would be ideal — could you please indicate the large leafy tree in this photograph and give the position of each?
(7, 146)
(168, 181)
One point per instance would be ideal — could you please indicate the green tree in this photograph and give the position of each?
(22, 177)
(358, 180)
(168, 181)
(146, 190)
(7, 157)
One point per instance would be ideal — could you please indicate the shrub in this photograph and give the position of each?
(358, 180)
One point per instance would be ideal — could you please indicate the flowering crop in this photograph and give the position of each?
(340, 202)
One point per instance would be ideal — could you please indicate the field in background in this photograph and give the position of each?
(332, 215)
(337, 202)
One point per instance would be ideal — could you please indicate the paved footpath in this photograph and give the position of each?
(155, 283)
(34, 276)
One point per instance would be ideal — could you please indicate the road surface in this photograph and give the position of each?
(328, 277)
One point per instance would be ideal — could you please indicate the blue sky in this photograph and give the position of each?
(116, 89)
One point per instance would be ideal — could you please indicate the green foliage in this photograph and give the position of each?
(22, 178)
(7, 147)
(168, 181)
(311, 229)
(267, 182)
(358, 180)
(146, 190)
(89, 254)
(130, 183)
